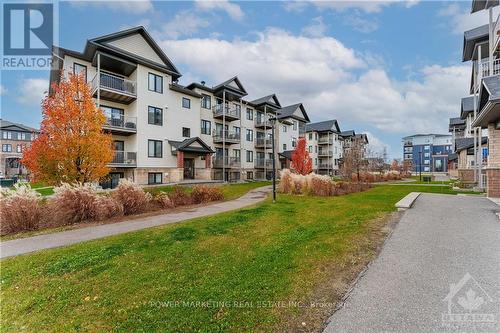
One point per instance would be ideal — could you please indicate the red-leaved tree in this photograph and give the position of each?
(301, 161)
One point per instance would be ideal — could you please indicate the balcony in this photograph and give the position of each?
(496, 31)
(263, 143)
(120, 125)
(229, 137)
(263, 123)
(408, 143)
(490, 68)
(261, 163)
(325, 153)
(114, 88)
(229, 112)
(226, 162)
(325, 166)
(127, 159)
(325, 140)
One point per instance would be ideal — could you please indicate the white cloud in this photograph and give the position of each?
(184, 23)
(129, 6)
(32, 91)
(367, 6)
(233, 10)
(332, 81)
(317, 28)
(360, 24)
(375, 145)
(3, 90)
(461, 20)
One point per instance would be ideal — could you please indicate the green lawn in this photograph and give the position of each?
(270, 252)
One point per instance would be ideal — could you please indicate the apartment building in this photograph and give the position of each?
(15, 138)
(166, 132)
(428, 152)
(292, 121)
(480, 47)
(325, 145)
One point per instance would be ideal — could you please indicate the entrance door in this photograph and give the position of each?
(188, 168)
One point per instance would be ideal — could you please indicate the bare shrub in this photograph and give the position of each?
(202, 194)
(179, 197)
(322, 186)
(107, 207)
(286, 184)
(20, 209)
(72, 204)
(132, 197)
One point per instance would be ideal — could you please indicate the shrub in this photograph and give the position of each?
(20, 209)
(179, 197)
(286, 184)
(163, 200)
(321, 186)
(202, 194)
(72, 204)
(106, 207)
(132, 197)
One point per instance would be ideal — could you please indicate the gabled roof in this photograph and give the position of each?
(183, 90)
(287, 154)
(348, 133)
(473, 37)
(187, 146)
(467, 106)
(466, 143)
(363, 137)
(8, 125)
(233, 83)
(193, 85)
(324, 126)
(456, 121)
(289, 112)
(478, 5)
(271, 100)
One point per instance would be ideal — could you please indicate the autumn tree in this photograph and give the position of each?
(395, 165)
(301, 161)
(72, 146)
(353, 160)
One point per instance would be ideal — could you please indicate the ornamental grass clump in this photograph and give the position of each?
(203, 194)
(20, 209)
(179, 197)
(132, 197)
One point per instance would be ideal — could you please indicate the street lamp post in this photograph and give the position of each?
(420, 164)
(273, 120)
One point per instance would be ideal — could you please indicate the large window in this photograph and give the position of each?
(19, 148)
(155, 83)
(206, 101)
(186, 103)
(7, 135)
(7, 148)
(186, 132)
(249, 156)
(79, 69)
(249, 135)
(310, 136)
(249, 114)
(155, 148)
(155, 116)
(155, 178)
(206, 127)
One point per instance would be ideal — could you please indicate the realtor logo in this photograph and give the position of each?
(468, 305)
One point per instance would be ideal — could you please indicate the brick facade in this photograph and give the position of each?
(466, 175)
(493, 169)
(493, 185)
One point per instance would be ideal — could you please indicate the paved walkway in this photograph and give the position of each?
(47, 241)
(442, 240)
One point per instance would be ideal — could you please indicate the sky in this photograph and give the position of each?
(385, 68)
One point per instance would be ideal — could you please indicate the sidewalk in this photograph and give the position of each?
(36, 243)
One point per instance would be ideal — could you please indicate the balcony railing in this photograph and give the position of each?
(230, 112)
(124, 158)
(263, 142)
(408, 143)
(121, 122)
(325, 140)
(488, 70)
(260, 122)
(115, 83)
(227, 136)
(325, 166)
(323, 152)
(496, 31)
(263, 163)
(226, 162)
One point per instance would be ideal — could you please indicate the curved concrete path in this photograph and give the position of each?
(36, 243)
(441, 263)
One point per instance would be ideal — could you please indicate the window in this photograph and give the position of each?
(426, 161)
(310, 136)
(249, 156)
(249, 135)
(294, 125)
(249, 114)
(237, 131)
(249, 174)
(22, 136)
(155, 148)
(284, 146)
(19, 148)
(79, 69)
(426, 169)
(155, 116)
(206, 127)
(284, 128)
(206, 101)
(155, 178)
(427, 147)
(294, 142)
(155, 83)
(310, 149)
(315, 161)
(427, 154)
(186, 132)
(7, 148)
(7, 135)
(316, 149)
(186, 103)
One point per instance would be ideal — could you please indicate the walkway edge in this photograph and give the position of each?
(407, 201)
(57, 239)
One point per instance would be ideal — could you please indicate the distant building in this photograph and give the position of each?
(428, 152)
(15, 138)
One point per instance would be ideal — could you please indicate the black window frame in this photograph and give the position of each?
(249, 156)
(81, 65)
(250, 175)
(249, 113)
(204, 129)
(189, 102)
(7, 145)
(155, 155)
(205, 97)
(155, 84)
(155, 175)
(188, 132)
(249, 131)
(155, 110)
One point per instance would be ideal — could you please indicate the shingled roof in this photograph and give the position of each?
(324, 126)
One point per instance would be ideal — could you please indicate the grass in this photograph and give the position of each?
(152, 280)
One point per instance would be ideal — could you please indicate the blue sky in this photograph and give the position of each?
(388, 68)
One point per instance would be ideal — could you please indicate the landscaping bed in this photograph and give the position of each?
(248, 266)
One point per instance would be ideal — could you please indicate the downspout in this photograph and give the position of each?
(224, 135)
